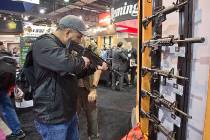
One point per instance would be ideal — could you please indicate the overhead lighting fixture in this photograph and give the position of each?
(80, 17)
(5, 18)
(66, 1)
(42, 11)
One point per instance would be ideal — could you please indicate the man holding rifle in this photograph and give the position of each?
(56, 98)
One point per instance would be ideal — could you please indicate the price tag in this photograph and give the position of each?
(180, 51)
(178, 89)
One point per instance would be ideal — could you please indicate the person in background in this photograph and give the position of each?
(55, 100)
(87, 99)
(125, 68)
(104, 53)
(2, 47)
(133, 65)
(118, 59)
(15, 52)
(6, 107)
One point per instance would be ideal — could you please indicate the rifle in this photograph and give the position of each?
(95, 60)
(165, 74)
(161, 101)
(161, 14)
(157, 124)
(170, 41)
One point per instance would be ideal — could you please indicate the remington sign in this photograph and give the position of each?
(124, 10)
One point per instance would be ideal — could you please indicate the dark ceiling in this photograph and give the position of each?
(55, 9)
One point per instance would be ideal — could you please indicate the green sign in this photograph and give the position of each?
(25, 45)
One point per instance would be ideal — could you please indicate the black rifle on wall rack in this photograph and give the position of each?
(160, 15)
(170, 41)
(161, 101)
(165, 74)
(157, 124)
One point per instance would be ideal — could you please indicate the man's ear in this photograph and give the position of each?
(68, 31)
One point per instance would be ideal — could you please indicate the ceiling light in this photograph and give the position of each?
(5, 18)
(66, 1)
(42, 11)
(80, 17)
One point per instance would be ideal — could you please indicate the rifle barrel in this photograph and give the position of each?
(173, 8)
(168, 41)
(191, 40)
(164, 73)
(171, 106)
(182, 113)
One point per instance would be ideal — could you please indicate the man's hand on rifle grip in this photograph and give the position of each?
(103, 67)
(86, 60)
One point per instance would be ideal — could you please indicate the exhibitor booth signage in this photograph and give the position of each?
(29, 1)
(124, 10)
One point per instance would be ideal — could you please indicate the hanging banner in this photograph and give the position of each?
(124, 10)
(104, 19)
(35, 31)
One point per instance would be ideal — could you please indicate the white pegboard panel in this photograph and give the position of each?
(200, 69)
(169, 60)
(173, 87)
(166, 115)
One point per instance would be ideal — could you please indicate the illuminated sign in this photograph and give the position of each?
(124, 10)
(104, 19)
(29, 1)
(35, 31)
(11, 27)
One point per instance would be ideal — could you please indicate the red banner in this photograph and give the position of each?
(104, 19)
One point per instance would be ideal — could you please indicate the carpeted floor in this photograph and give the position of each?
(114, 111)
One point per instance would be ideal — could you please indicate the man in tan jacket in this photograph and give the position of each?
(87, 100)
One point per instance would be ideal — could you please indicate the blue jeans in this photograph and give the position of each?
(64, 131)
(9, 113)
